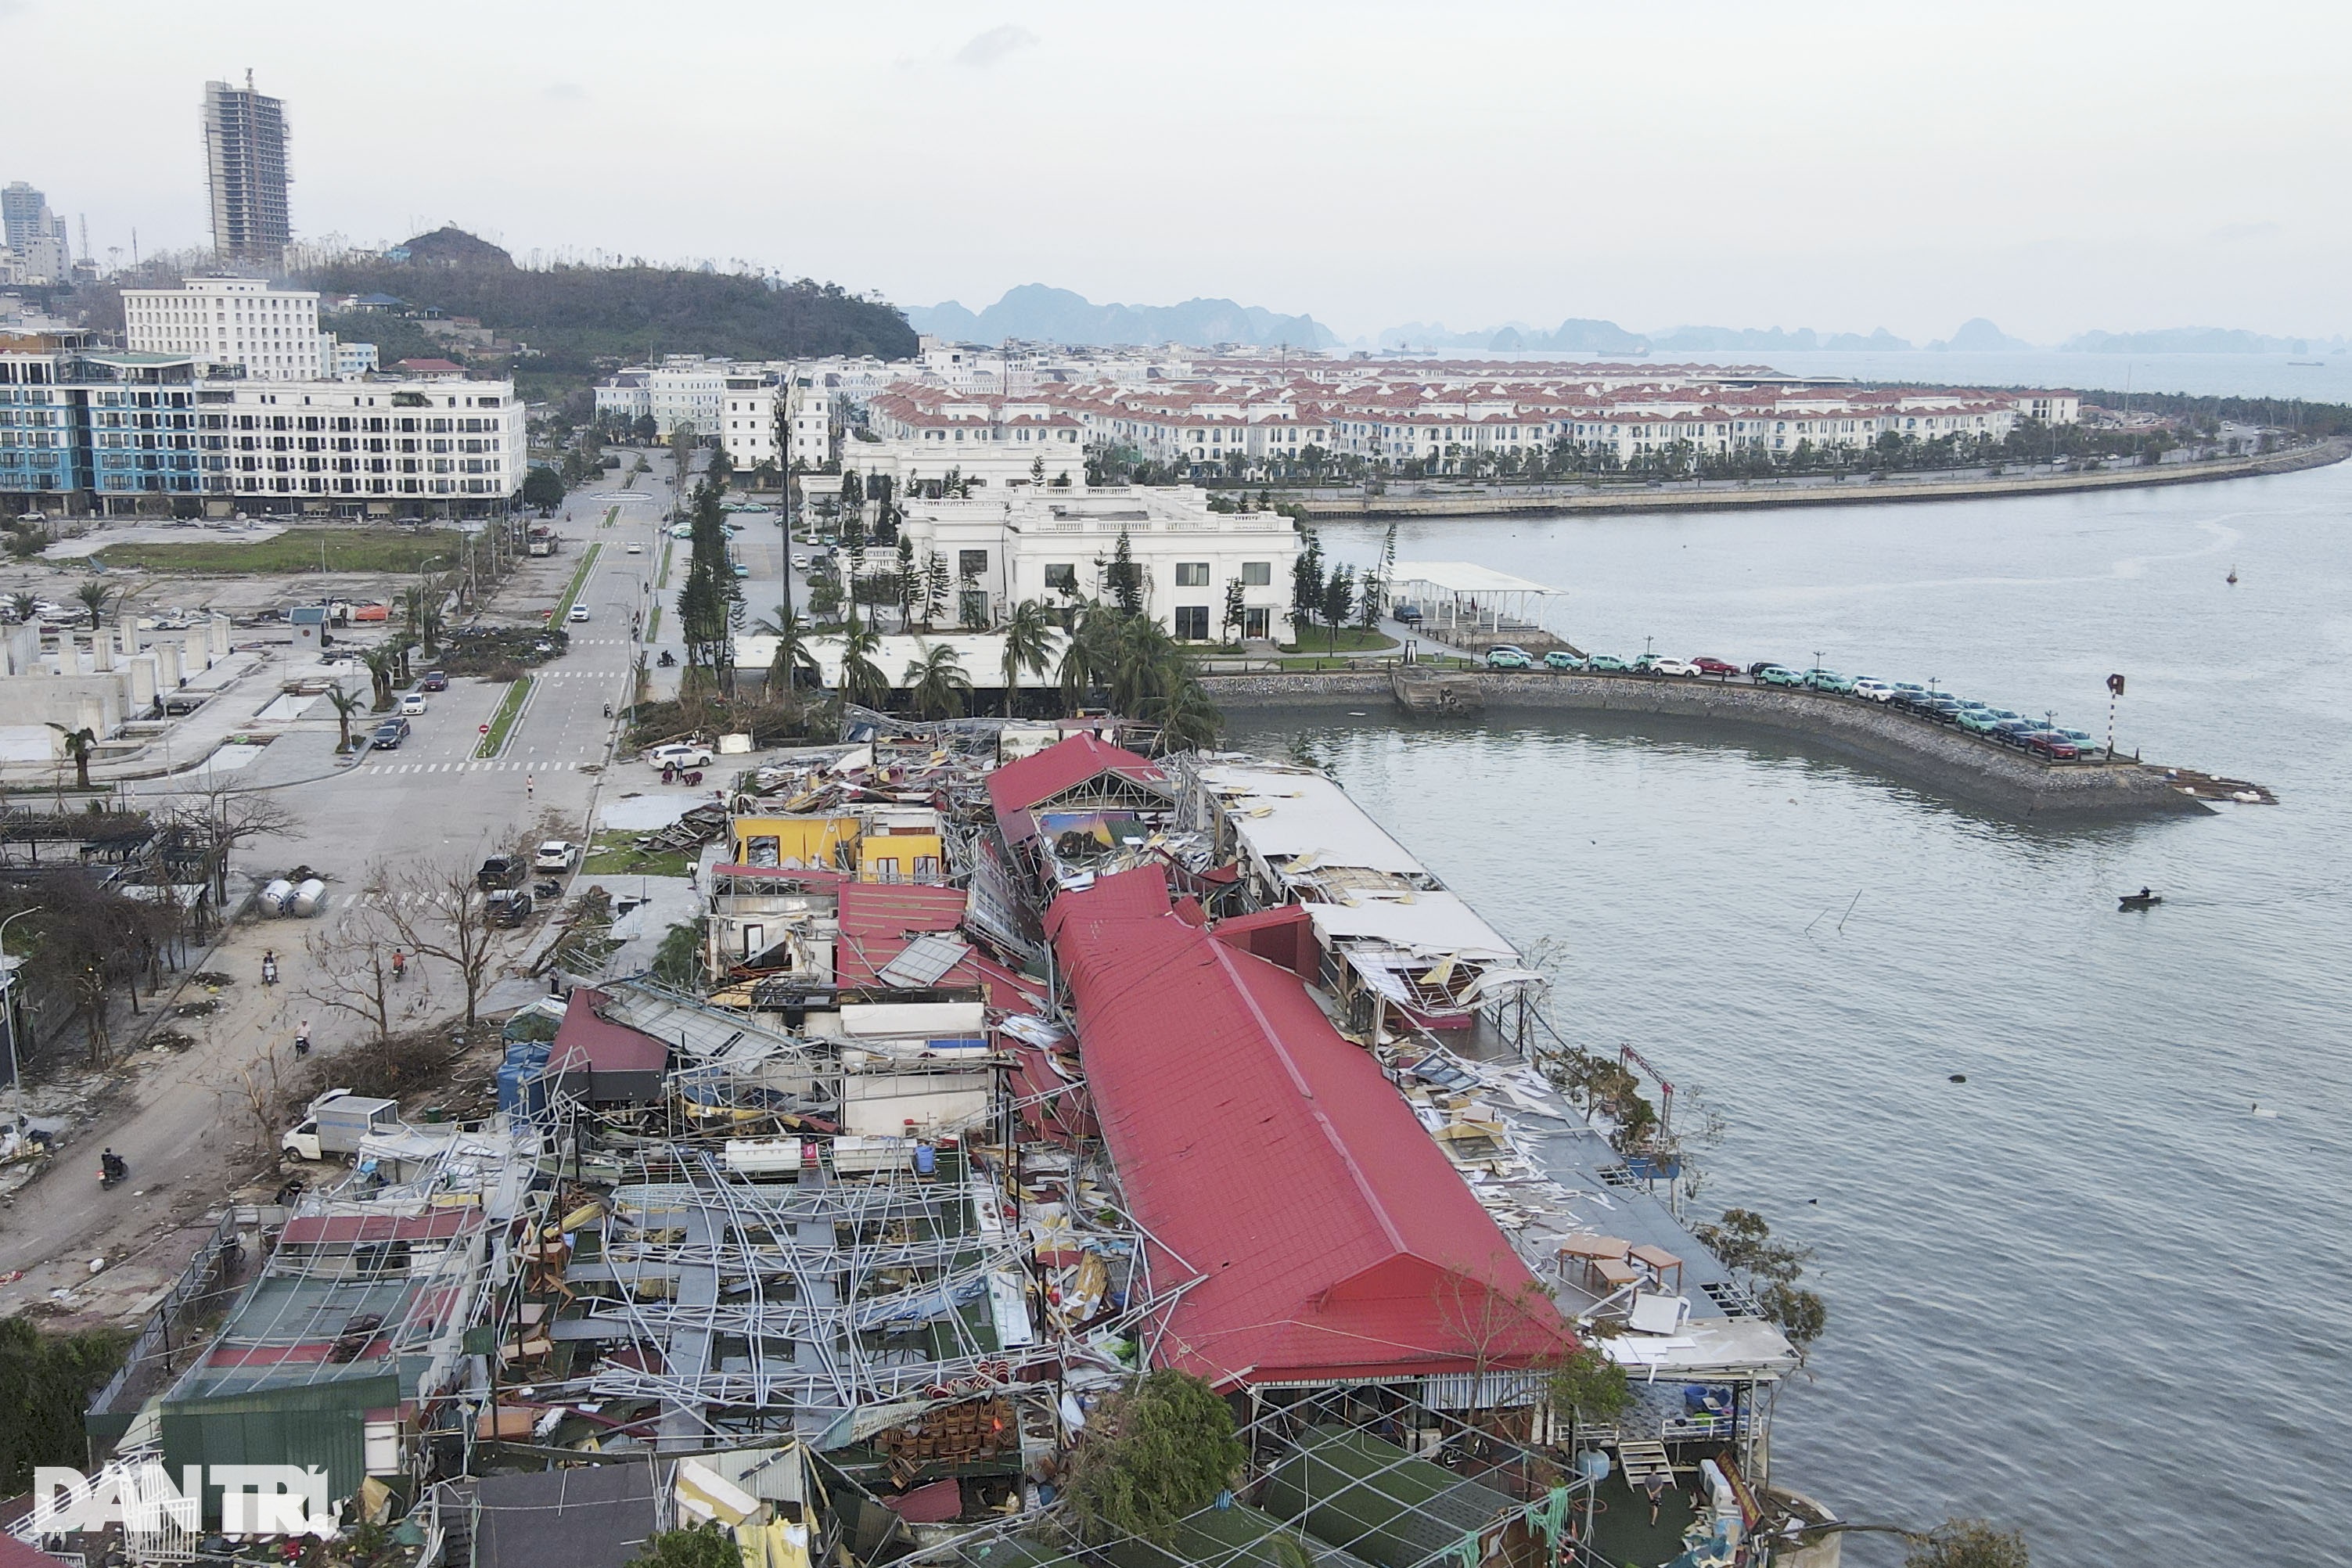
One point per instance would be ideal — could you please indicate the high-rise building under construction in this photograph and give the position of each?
(245, 169)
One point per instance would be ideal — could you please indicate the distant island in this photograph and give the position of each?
(1040, 314)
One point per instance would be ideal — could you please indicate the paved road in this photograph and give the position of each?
(180, 1115)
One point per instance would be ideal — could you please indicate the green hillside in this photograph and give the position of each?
(574, 315)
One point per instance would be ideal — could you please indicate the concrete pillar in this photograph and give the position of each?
(215, 638)
(101, 651)
(127, 623)
(139, 685)
(167, 663)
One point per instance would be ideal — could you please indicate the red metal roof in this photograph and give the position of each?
(585, 1040)
(1062, 767)
(1268, 1156)
(877, 920)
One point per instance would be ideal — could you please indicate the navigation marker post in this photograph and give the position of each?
(2115, 691)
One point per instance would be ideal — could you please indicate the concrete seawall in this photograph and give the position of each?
(1949, 762)
(1507, 502)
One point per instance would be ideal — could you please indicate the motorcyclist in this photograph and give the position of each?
(302, 1038)
(269, 966)
(399, 965)
(111, 1168)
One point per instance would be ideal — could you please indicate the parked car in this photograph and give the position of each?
(510, 907)
(1942, 710)
(500, 871)
(2011, 731)
(1609, 662)
(1876, 690)
(1681, 667)
(556, 856)
(683, 531)
(1756, 671)
(741, 570)
(1560, 659)
(680, 755)
(412, 702)
(1979, 720)
(1709, 666)
(1407, 615)
(2083, 743)
(435, 681)
(389, 734)
(2052, 746)
(1774, 675)
(1505, 656)
(1830, 680)
(578, 612)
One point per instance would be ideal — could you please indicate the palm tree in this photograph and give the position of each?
(80, 744)
(345, 704)
(1145, 663)
(792, 651)
(26, 605)
(936, 683)
(1188, 719)
(429, 628)
(95, 598)
(1028, 638)
(383, 668)
(1086, 657)
(862, 680)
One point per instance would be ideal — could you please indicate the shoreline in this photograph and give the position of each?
(1941, 760)
(1867, 491)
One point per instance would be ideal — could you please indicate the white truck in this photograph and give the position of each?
(336, 1122)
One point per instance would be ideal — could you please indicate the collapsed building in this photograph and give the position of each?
(1015, 1070)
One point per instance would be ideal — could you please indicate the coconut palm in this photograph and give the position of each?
(793, 653)
(936, 682)
(25, 605)
(862, 680)
(1188, 719)
(345, 704)
(95, 597)
(383, 670)
(80, 744)
(1144, 666)
(1028, 638)
(1085, 657)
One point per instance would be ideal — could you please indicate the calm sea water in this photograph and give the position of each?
(2089, 1291)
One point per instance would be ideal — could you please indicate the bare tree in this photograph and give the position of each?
(222, 821)
(352, 959)
(435, 906)
(264, 1098)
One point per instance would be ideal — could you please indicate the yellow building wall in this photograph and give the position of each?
(901, 850)
(811, 840)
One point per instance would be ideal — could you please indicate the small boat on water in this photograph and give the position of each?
(2143, 899)
(2232, 578)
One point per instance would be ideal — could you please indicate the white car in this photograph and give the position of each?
(412, 702)
(578, 612)
(1673, 667)
(800, 563)
(556, 856)
(678, 754)
(1876, 690)
(635, 549)
(683, 531)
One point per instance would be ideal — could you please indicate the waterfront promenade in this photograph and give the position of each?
(1439, 498)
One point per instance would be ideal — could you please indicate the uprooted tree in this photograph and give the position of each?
(1742, 1240)
(1152, 1454)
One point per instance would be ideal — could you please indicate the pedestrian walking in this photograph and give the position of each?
(530, 787)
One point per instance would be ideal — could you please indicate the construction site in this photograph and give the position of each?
(1022, 1071)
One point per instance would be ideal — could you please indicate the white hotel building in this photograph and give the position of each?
(271, 334)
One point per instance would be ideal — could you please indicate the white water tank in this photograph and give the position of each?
(309, 897)
(276, 897)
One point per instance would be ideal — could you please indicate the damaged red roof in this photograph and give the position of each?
(1062, 767)
(1267, 1156)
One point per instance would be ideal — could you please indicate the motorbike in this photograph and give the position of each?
(668, 658)
(269, 971)
(112, 1171)
(608, 710)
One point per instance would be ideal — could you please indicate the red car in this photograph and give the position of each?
(2055, 747)
(1713, 666)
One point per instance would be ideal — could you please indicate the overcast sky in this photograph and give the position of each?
(2053, 166)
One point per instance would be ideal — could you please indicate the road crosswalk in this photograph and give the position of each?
(509, 765)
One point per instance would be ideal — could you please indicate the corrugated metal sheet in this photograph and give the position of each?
(314, 1423)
